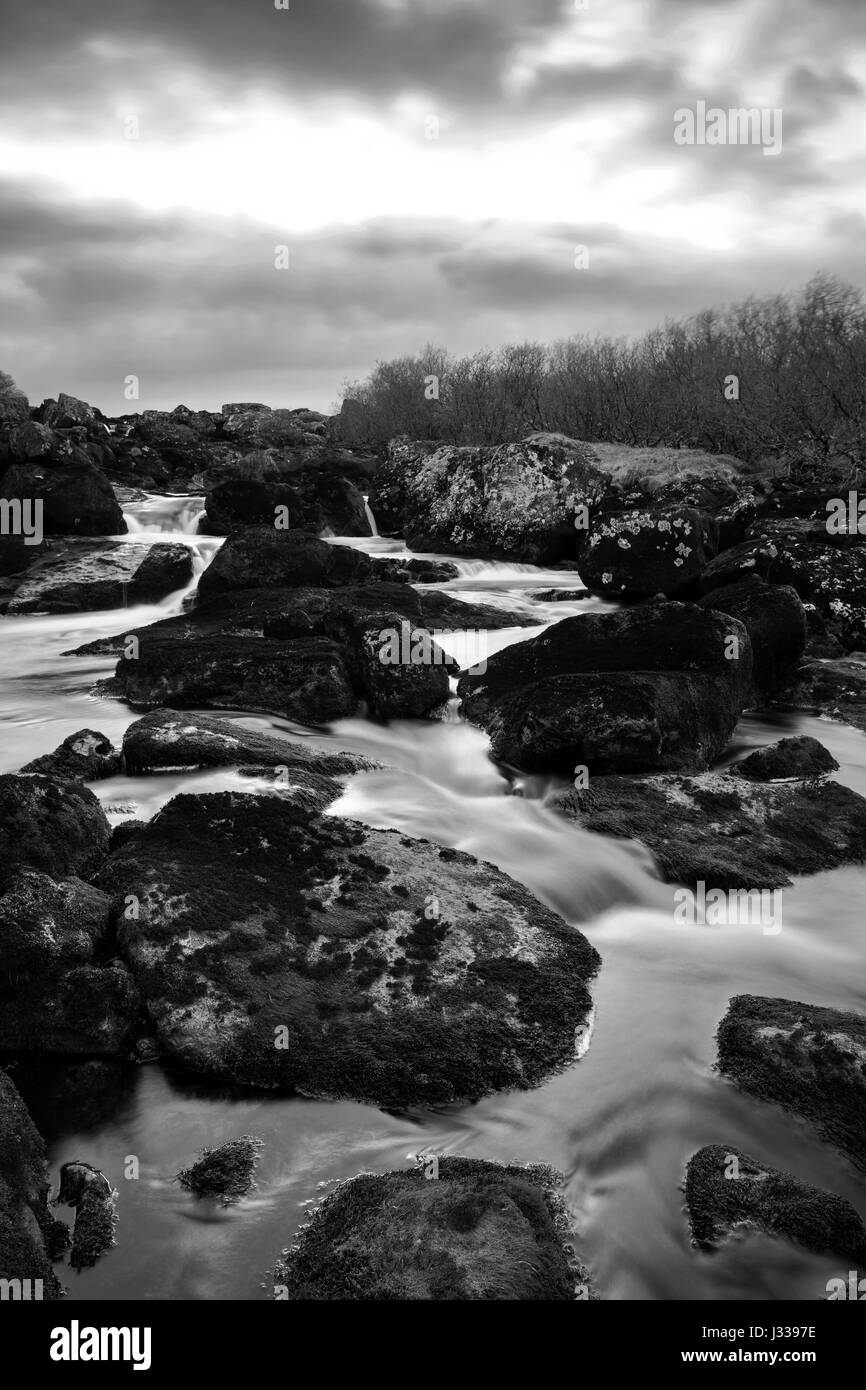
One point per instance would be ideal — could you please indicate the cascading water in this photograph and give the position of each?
(621, 1123)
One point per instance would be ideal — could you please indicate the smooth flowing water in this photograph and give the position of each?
(620, 1123)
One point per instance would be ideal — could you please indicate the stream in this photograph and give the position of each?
(620, 1123)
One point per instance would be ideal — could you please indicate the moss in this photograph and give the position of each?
(226, 1172)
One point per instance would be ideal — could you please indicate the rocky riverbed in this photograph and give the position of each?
(376, 848)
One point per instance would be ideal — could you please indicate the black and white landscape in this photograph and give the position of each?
(433, 759)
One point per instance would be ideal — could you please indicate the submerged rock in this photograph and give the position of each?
(55, 826)
(87, 1190)
(226, 1172)
(276, 948)
(724, 829)
(804, 1057)
(726, 1189)
(642, 689)
(30, 1238)
(83, 757)
(479, 1231)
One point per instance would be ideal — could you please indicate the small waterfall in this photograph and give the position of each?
(370, 517)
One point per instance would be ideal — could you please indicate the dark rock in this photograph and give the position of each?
(227, 1172)
(790, 757)
(261, 557)
(724, 830)
(414, 571)
(832, 580)
(82, 757)
(14, 406)
(305, 680)
(804, 1057)
(834, 688)
(18, 553)
(31, 441)
(642, 689)
(480, 1231)
(54, 826)
(67, 411)
(773, 616)
(726, 1189)
(54, 996)
(756, 556)
(87, 1190)
(82, 576)
(636, 554)
(166, 739)
(276, 948)
(319, 502)
(515, 501)
(166, 567)
(77, 497)
(28, 1232)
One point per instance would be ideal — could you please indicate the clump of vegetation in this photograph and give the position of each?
(800, 360)
(227, 1172)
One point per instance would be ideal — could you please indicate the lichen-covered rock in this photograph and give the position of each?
(726, 1190)
(829, 577)
(635, 554)
(725, 830)
(804, 1057)
(643, 689)
(83, 757)
(773, 616)
(262, 557)
(29, 1236)
(516, 501)
(87, 1190)
(56, 996)
(226, 1172)
(480, 1231)
(275, 948)
(57, 827)
(799, 757)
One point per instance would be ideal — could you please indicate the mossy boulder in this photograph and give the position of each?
(805, 1057)
(261, 557)
(479, 1231)
(725, 829)
(775, 620)
(800, 756)
(726, 1189)
(282, 949)
(55, 826)
(226, 1172)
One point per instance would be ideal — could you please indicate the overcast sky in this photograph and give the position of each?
(431, 166)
